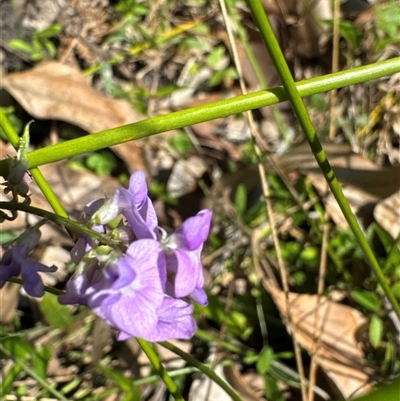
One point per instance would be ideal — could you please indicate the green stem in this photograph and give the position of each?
(155, 361)
(207, 112)
(33, 374)
(60, 220)
(203, 368)
(36, 173)
(295, 97)
(47, 288)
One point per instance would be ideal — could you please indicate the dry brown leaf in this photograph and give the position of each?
(8, 302)
(387, 214)
(52, 90)
(331, 335)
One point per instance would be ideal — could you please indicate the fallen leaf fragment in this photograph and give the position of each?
(328, 330)
(52, 90)
(387, 214)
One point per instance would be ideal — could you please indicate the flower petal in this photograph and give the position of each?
(184, 266)
(199, 296)
(174, 321)
(195, 230)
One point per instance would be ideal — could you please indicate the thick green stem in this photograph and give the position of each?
(295, 97)
(207, 112)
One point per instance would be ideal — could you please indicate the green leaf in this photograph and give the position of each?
(9, 379)
(102, 163)
(367, 299)
(181, 143)
(215, 57)
(309, 256)
(375, 331)
(19, 44)
(241, 200)
(272, 391)
(57, 315)
(132, 392)
(52, 30)
(265, 359)
(51, 48)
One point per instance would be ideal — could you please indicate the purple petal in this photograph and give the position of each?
(185, 267)
(32, 282)
(138, 188)
(195, 230)
(136, 278)
(174, 321)
(135, 316)
(199, 296)
(8, 268)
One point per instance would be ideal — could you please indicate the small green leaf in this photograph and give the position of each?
(265, 359)
(102, 163)
(57, 315)
(18, 44)
(241, 199)
(181, 143)
(272, 391)
(367, 299)
(375, 331)
(52, 30)
(132, 392)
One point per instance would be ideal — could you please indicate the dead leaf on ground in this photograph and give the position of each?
(56, 91)
(331, 335)
(8, 302)
(387, 214)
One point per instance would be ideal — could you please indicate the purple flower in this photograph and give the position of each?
(174, 320)
(16, 262)
(135, 206)
(127, 292)
(145, 291)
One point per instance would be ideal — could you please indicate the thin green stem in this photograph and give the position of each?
(155, 361)
(47, 288)
(60, 220)
(295, 97)
(36, 173)
(203, 368)
(33, 374)
(207, 112)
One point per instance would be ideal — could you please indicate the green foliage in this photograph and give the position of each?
(102, 162)
(41, 45)
(57, 315)
(23, 354)
(375, 331)
(388, 25)
(131, 391)
(240, 319)
(181, 143)
(241, 200)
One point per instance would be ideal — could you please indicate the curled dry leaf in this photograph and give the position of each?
(387, 214)
(328, 330)
(52, 90)
(9, 295)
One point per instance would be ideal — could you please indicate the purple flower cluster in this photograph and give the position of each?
(16, 262)
(146, 290)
